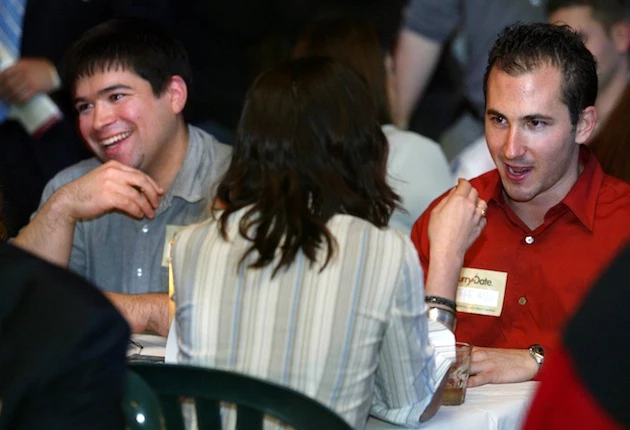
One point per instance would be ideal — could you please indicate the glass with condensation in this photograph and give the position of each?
(455, 392)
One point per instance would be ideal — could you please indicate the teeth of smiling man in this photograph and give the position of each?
(517, 170)
(116, 138)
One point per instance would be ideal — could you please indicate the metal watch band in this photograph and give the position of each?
(537, 353)
(443, 316)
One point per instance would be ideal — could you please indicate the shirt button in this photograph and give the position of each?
(139, 272)
(522, 300)
(145, 228)
(529, 240)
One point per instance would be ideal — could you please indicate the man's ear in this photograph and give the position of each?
(177, 91)
(620, 35)
(585, 125)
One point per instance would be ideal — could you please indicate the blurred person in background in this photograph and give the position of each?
(416, 167)
(230, 42)
(605, 27)
(473, 25)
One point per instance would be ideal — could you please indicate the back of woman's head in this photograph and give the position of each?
(353, 42)
(308, 147)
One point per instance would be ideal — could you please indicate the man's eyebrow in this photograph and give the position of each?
(493, 112)
(537, 117)
(105, 90)
(530, 117)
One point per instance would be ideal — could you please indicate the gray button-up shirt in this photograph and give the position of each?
(121, 254)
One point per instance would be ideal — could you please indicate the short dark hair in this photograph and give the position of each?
(522, 48)
(135, 44)
(308, 146)
(353, 42)
(606, 12)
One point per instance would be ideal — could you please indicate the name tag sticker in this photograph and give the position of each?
(171, 231)
(481, 291)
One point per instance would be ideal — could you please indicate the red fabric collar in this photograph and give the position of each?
(581, 199)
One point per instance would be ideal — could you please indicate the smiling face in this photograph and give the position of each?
(531, 138)
(121, 119)
(609, 52)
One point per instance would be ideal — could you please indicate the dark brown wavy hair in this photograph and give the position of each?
(308, 146)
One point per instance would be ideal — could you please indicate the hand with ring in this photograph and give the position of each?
(457, 220)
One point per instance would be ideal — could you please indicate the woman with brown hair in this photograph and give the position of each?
(298, 280)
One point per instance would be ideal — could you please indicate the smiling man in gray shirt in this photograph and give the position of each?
(110, 218)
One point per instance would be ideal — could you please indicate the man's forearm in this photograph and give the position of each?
(443, 275)
(143, 312)
(49, 235)
(414, 63)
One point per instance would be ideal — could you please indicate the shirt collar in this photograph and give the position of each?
(581, 198)
(190, 179)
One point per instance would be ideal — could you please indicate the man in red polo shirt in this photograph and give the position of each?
(554, 219)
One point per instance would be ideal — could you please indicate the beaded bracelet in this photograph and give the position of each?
(441, 301)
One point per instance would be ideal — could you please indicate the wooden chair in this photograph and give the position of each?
(254, 398)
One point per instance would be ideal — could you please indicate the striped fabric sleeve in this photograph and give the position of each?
(415, 355)
(443, 341)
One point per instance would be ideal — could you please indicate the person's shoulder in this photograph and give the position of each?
(472, 161)
(75, 171)
(614, 196)
(69, 174)
(387, 248)
(416, 162)
(198, 229)
(396, 136)
(485, 180)
(207, 160)
(355, 228)
(209, 142)
(615, 189)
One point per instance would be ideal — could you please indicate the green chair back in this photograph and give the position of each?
(254, 398)
(141, 406)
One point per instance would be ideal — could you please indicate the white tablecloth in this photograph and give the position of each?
(489, 407)
(157, 346)
(152, 344)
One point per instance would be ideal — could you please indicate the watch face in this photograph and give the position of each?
(538, 353)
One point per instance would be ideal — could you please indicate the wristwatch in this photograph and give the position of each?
(538, 353)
